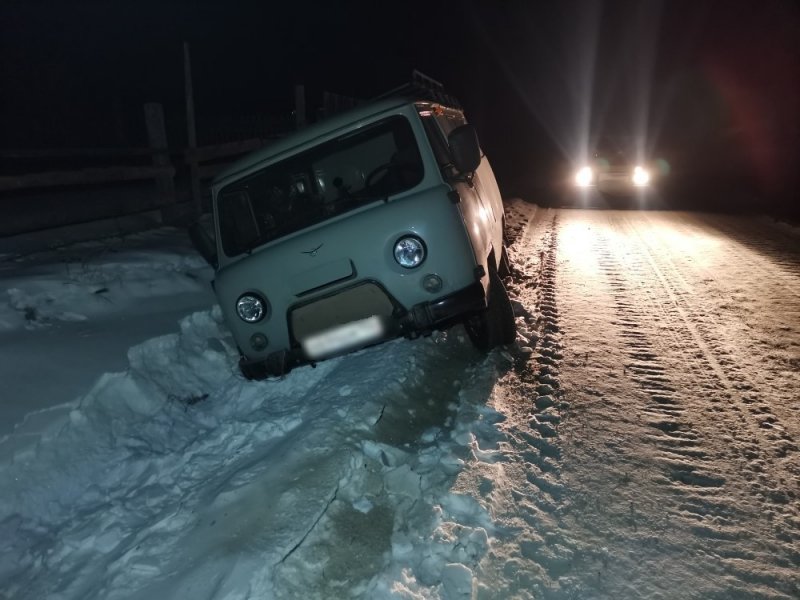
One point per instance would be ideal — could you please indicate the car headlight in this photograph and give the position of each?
(251, 308)
(640, 176)
(409, 252)
(584, 177)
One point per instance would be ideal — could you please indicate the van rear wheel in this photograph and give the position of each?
(495, 325)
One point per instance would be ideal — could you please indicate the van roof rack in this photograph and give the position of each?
(422, 87)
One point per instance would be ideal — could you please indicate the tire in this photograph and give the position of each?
(504, 268)
(494, 326)
(275, 365)
(253, 371)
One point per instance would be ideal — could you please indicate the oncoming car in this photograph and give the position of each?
(617, 169)
(381, 222)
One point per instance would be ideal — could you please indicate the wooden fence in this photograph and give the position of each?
(157, 163)
(85, 176)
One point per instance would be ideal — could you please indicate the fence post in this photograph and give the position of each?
(157, 138)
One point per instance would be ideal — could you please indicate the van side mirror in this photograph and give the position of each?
(203, 242)
(464, 149)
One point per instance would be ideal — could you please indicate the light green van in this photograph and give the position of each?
(381, 222)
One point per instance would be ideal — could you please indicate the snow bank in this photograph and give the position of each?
(177, 477)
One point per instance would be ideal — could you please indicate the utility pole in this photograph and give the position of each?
(191, 151)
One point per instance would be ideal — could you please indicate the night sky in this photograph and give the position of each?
(712, 86)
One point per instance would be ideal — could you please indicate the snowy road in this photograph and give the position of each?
(676, 473)
(639, 441)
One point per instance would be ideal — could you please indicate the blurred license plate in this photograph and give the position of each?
(343, 337)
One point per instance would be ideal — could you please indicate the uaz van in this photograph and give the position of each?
(381, 222)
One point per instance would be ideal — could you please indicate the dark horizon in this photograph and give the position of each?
(714, 86)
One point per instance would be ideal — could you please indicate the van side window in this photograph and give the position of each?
(450, 121)
(437, 128)
(239, 221)
(437, 140)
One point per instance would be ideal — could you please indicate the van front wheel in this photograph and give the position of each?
(495, 325)
(275, 365)
(504, 269)
(253, 371)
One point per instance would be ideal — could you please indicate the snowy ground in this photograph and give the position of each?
(639, 441)
(70, 313)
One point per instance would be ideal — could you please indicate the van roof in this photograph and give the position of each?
(324, 128)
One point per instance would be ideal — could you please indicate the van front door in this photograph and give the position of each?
(474, 212)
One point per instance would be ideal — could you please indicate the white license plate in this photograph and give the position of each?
(343, 337)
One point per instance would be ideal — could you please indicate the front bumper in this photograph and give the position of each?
(426, 316)
(421, 319)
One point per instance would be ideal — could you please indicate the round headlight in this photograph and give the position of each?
(409, 252)
(250, 308)
(584, 177)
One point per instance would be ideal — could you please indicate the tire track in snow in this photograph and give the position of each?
(522, 485)
(633, 518)
(534, 393)
(766, 439)
(686, 439)
(741, 381)
(760, 443)
(542, 383)
(681, 451)
(684, 453)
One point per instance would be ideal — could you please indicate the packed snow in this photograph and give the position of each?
(638, 441)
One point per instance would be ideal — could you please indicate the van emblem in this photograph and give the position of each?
(314, 251)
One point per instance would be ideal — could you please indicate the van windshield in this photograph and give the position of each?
(372, 163)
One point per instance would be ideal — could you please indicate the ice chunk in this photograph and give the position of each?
(363, 505)
(457, 582)
(403, 481)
